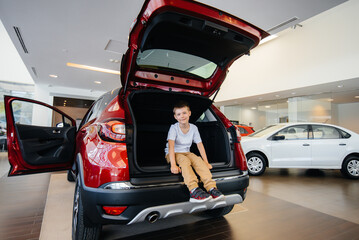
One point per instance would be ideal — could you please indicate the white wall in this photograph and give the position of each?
(348, 116)
(324, 50)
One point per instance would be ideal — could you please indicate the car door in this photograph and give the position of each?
(290, 147)
(328, 146)
(40, 137)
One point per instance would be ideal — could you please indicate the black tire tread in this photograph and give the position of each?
(264, 163)
(86, 230)
(344, 169)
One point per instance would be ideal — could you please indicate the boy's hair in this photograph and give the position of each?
(181, 104)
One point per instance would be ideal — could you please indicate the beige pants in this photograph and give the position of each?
(187, 162)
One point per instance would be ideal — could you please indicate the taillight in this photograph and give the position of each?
(113, 131)
(110, 210)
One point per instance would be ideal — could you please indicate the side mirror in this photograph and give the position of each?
(278, 137)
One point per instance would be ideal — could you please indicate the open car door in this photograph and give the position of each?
(40, 137)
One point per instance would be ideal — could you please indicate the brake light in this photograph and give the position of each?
(114, 210)
(113, 130)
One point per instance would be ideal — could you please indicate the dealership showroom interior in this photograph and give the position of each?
(98, 99)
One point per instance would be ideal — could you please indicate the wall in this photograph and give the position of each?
(348, 116)
(324, 50)
(44, 93)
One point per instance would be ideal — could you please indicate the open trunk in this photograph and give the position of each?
(152, 114)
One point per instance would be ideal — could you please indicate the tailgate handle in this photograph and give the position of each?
(342, 144)
(306, 144)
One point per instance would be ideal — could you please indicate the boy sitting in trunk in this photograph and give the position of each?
(180, 138)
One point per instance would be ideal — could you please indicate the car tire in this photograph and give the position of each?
(256, 164)
(70, 177)
(218, 212)
(82, 227)
(350, 167)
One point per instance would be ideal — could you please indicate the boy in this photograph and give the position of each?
(180, 138)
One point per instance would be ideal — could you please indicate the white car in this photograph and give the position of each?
(303, 145)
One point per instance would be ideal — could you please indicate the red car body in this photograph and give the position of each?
(177, 50)
(245, 130)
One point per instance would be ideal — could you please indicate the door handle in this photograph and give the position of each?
(342, 144)
(306, 144)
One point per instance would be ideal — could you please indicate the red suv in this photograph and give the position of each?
(178, 50)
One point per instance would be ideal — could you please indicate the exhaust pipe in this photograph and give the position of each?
(152, 217)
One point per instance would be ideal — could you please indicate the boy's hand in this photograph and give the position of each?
(209, 166)
(175, 169)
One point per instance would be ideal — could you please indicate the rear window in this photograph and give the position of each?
(176, 61)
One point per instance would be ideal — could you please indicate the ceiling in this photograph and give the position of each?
(95, 33)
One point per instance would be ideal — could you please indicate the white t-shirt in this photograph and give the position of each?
(183, 141)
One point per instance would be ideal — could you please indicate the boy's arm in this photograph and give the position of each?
(202, 151)
(171, 151)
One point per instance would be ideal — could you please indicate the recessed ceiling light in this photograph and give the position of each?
(254, 108)
(260, 98)
(97, 82)
(277, 95)
(53, 76)
(330, 99)
(267, 106)
(93, 68)
(293, 93)
(340, 86)
(356, 97)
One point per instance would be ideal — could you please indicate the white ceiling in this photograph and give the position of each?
(58, 32)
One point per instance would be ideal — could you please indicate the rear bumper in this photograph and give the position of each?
(167, 200)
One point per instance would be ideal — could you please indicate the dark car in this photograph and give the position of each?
(178, 50)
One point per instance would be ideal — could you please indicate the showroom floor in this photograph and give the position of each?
(281, 204)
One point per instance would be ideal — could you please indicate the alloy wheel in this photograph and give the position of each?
(353, 167)
(255, 164)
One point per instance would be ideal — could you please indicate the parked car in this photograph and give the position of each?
(245, 130)
(303, 145)
(178, 50)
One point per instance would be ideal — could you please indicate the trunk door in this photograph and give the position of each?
(185, 46)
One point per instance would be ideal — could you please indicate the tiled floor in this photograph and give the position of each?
(22, 202)
(281, 204)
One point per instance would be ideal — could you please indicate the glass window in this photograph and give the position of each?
(344, 134)
(242, 130)
(325, 132)
(294, 132)
(207, 116)
(27, 113)
(94, 111)
(183, 62)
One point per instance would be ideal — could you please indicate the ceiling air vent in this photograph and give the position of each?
(18, 34)
(34, 71)
(283, 24)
